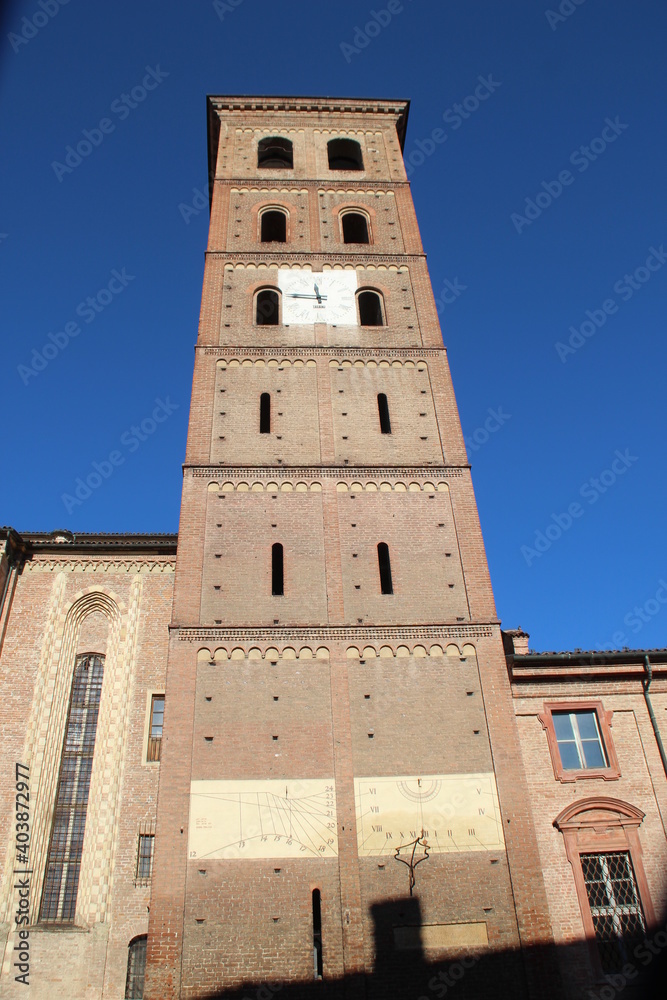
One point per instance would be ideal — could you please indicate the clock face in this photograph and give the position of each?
(318, 296)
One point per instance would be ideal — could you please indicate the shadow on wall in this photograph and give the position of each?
(402, 970)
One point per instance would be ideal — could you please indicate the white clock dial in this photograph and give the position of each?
(318, 296)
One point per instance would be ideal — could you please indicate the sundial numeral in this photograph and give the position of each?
(471, 831)
(375, 809)
(481, 811)
(376, 829)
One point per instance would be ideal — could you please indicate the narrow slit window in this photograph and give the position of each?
(385, 569)
(355, 228)
(317, 934)
(277, 581)
(344, 154)
(136, 969)
(385, 423)
(63, 863)
(370, 309)
(268, 308)
(265, 413)
(273, 227)
(275, 153)
(155, 732)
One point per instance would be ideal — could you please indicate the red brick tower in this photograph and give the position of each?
(337, 693)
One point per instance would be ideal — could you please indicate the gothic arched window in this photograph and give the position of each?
(63, 862)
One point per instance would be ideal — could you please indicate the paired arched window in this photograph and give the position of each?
(355, 228)
(371, 312)
(63, 862)
(384, 566)
(344, 154)
(273, 226)
(277, 579)
(136, 969)
(267, 307)
(274, 152)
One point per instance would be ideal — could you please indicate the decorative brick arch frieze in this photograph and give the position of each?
(597, 825)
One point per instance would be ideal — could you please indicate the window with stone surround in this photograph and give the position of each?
(580, 741)
(154, 748)
(601, 837)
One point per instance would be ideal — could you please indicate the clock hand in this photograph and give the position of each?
(299, 295)
(317, 292)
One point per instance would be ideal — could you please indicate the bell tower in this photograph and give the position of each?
(340, 784)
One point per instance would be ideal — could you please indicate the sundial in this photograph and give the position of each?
(263, 819)
(451, 813)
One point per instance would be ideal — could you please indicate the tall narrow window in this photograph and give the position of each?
(136, 969)
(155, 732)
(317, 934)
(145, 850)
(355, 228)
(63, 863)
(273, 227)
(383, 410)
(344, 154)
(370, 309)
(265, 413)
(385, 568)
(616, 909)
(277, 583)
(267, 310)
(274, 152)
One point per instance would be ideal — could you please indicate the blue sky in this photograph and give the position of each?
(536, 205)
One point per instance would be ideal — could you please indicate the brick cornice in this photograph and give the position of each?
(295, 257)
(329, 351)
(319, 633)
(282, 472)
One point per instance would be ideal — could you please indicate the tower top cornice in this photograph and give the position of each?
(247, 105)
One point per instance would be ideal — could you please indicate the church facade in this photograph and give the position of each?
(292, 750)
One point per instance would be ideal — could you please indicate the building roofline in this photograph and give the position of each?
(25, 544)
(287, 102)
